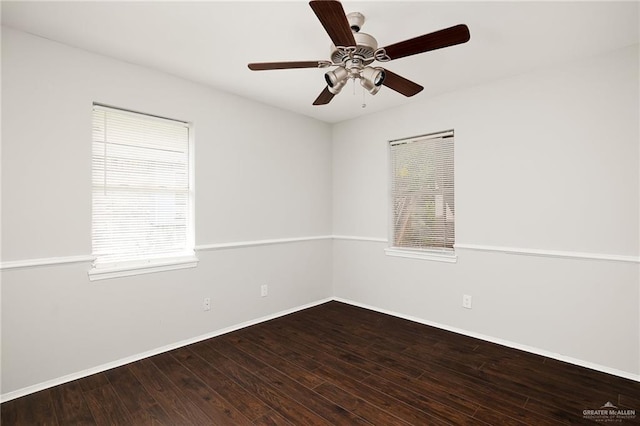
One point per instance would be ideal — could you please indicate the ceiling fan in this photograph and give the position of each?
(353, 52)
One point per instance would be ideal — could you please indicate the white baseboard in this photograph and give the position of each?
(127, 360)
(123, 361)
(507, 343)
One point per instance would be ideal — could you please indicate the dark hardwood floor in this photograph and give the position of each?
(333, 364)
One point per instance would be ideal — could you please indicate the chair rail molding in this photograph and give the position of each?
(255, 243)
(549, 253)
(62, 260)
(46, 261)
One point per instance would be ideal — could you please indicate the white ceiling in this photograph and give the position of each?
(212, 42)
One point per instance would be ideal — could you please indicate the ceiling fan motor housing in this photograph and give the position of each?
(353, 61)
(365, 48)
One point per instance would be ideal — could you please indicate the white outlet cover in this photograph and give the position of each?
(466, 301)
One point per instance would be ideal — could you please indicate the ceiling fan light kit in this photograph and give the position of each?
(336, 79)
(353, 52)
(372, 79)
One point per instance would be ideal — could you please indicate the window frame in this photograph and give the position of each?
(432, 254)
(158, 263)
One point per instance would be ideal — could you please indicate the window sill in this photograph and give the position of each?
(438, 256)
(138, 268)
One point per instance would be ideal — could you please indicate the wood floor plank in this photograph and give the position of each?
(34, 409)
(289, 379)
(218, 409)
(374, 396)
(324, 345)
(286, 406)
(151, 416)
(538, 385)
(421, 394)
(357, 352)
(390, 327)
(94, 381)
(332, 364)
(281, 348)
(246, 402)
(180, 409)
(9, 413)
(550, 412)
(106, 407)
(603, 381)
(492, 417)
(629, 400)
(323, 357)
(482, 393)
(445, 358)
(131, 392)
(334, 413)
(459, 412)
(368, 332)
(297, 373)
(271, 418)
(369, 412)
(70, 405)
(470, 387)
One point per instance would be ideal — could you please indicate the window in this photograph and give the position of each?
(142, 218)
(422, 197)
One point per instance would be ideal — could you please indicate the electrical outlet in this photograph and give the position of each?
(466, 301)
(264, 290)
(206, 304)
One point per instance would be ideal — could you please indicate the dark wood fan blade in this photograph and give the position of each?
(324, 97)
(332, 17)
(263, 66)
(400, 84)
(432, 41)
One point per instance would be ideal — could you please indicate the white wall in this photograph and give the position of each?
(547, 161)
(261, 173)
(557, 150)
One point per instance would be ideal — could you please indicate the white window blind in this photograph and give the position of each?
(141, 188)
(422, 193)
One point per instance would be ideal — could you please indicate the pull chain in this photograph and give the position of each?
(364, 105)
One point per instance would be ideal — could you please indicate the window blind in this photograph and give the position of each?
(141, 192)
(422, 192)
